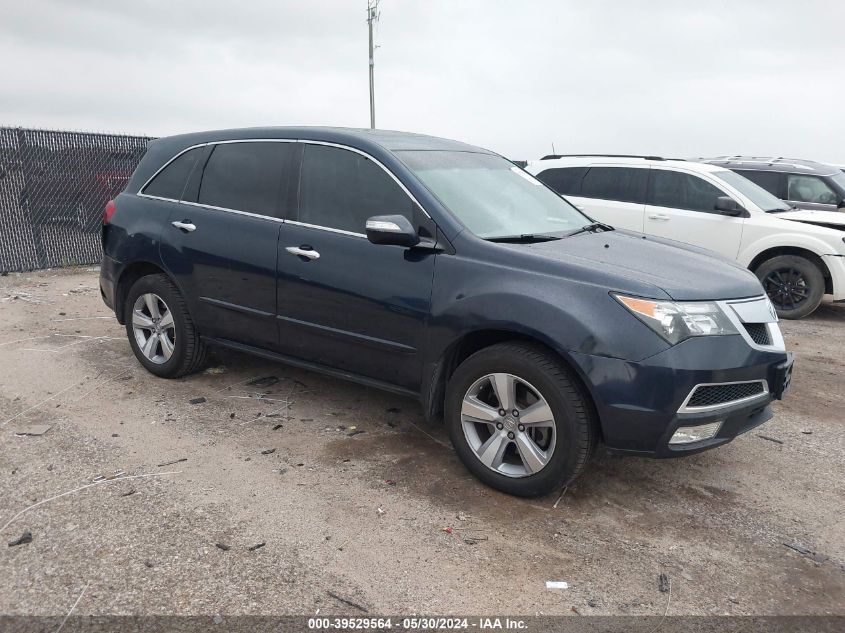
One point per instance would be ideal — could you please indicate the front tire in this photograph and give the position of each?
(794, 285)
(160, 330)
(519, 420)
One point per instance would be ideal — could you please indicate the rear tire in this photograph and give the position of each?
(160, 330)
(794, 285)
(524, 460)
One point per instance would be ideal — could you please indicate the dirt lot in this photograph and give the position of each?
(362, 515)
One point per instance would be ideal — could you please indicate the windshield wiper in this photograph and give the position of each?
(782, 209)
(525, 238)
(593, 226)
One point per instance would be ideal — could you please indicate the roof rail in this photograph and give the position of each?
(646, 157)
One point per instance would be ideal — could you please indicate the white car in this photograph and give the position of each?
(799, 256)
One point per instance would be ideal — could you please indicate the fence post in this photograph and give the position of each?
(25, 202)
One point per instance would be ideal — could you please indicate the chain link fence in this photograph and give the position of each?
(53, 188)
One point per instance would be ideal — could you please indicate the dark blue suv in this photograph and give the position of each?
(441, 271)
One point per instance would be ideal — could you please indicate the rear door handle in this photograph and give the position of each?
(308, 253)
(660, 217)
(185, 225)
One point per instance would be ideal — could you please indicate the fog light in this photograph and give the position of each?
(690, 434)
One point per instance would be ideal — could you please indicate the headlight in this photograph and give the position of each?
(676, 321)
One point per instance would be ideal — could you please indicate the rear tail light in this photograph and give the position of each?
(109, 212)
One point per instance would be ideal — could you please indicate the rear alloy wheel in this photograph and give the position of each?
(154, 329)
(793, 284)
(160, 329)
(519, 420)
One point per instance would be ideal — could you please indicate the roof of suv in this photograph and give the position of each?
(771, 163)
(387, 139)
(582, 160)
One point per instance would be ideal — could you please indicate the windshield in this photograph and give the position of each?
(491, 196)
(759, 196)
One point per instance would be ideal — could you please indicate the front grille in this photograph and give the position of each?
(711, 395)
(759, 333)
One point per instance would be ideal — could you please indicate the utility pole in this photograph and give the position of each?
(372, 16)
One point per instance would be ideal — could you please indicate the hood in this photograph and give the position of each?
(685, 273)
(828, 219)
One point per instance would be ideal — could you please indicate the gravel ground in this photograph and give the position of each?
(352, 495)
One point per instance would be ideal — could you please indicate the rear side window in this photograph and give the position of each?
(170, 181)
(340, 189)
(682, 191)
(564, 180)
(250, 177)
(624, 184)
(768, 180)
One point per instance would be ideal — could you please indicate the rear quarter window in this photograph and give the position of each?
(170, 182)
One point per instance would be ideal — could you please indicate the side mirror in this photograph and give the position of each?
(728, 206)
(395, 230)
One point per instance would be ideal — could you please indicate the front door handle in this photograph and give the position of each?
(185, 225)
(308, 253)
(660, 217)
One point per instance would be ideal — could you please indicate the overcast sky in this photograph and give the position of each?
(677, 78)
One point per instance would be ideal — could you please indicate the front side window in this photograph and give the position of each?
(170, 182)
(341, 189)
(624, 184)
(678, 190)
(491, 196)
(248, 176)
(751, 190)
(768, 180)
(808, 189)
(565, 180)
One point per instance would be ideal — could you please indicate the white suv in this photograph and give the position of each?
(798, 255)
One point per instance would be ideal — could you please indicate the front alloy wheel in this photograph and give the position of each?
(509, 425)
(519, 419)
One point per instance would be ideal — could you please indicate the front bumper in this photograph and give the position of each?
(638, 403)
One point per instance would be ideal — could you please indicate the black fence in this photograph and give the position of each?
(53, 189)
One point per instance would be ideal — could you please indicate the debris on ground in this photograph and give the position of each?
(771, 439)
(390, 482)
(355, 432)
(306, 419)
(114, 475)
(199, 400)
(23, 539)
(562, 492)
(462, 516)
(33, 429)
(380, 511)
(268, 451)
(256, 546)
(216, 370)
(277, 427)
(223, 546)
(592, 603)
(149, 564)
(392, 424)
(807, 432)
(474, 540)
(574, 610)
(281, 471)
(263, 382)
(175, 461)
(447, 529)
(663, 583)
(217, 619)
(348, 602)
(557, 584)
(129, 493)
(797, 547)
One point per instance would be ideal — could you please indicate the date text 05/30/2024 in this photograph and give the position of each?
(415, 623)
